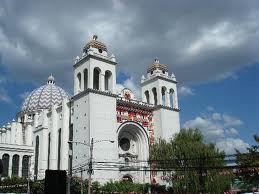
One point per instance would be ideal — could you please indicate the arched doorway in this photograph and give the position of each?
(133, 140)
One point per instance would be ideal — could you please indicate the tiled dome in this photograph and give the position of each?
(45, 96)
(95, 44)
(157, 65)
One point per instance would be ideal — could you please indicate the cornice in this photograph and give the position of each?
(89, 90)
(88, 56)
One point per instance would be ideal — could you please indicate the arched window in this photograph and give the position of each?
(59, 148)
(49, 143)
(97, 72)
(5, 159)
(15, 165)
(108, 81)
(85, 79)
(155, 95)
(79, 81)
(36, 164)
(25, 166)
(171, 93)
(147, 96)
(163, 91)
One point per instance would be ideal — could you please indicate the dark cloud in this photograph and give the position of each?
(199, 40)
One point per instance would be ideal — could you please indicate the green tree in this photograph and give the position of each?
(249, 162)
(193, 165)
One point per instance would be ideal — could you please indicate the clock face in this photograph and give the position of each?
(127, 94)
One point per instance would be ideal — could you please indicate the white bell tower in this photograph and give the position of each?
(95, 69)
(94, 104)
(160, 89)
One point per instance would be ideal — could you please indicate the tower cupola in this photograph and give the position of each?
(157, 66)
(95, 46)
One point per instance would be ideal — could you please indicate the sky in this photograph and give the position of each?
(211, 47)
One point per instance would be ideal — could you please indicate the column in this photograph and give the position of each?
(101, 81)
(113, 84)
(159, 96)
(29, 135)
(82, 81)
(43, 164)
(3, 134)
(36, 120)
(13, 131)
(65, 135)
(175, 99)
(20, 166)
(75, 84)
(167, 99)
(8, 133)
(53, 150)
(152, 97)
(19, 134)
(0, 135)
(90, 78)
(10, 165)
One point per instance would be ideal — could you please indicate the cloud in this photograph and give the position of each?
(230, 144)
(202, 45)
(232, 132)
(231, 121)
(211, 131)
(210, 108)
(216, 116)
(185, 91)
(130, 84)
(4, 97)
(24, 95)
(216, 128)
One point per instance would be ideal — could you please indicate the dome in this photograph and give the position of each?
(157, 65)
(95, 44)
(45, 96)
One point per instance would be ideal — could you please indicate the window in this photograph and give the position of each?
(5, 159)
(79, 81)
(155, 96)
(36, 164)
(147, 96)
(97, 72)
(125, 144)
(59, 148)
(163, 96)
(25, 166)
(85, 79)
(49, 143)
(108, 80)
(15, 165)
(172, 99)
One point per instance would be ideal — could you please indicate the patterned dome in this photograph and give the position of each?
(95, 44)
(157, 65)
(45, 96)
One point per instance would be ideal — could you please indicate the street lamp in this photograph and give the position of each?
(90, 165)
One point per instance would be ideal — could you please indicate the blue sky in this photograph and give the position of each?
(211, 47)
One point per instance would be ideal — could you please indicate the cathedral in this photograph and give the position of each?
(54, 130)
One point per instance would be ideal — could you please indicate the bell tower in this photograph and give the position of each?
(95, 69)
(160, 89)
(94, 104)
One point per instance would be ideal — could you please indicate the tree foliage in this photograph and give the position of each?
(249, 160)
(192, 164)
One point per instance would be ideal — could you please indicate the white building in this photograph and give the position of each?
(50, 118)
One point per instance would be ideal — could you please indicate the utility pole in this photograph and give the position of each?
(82, 188)
(90, 169)
(90, 165)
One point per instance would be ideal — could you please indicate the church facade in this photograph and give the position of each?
(121, 126)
